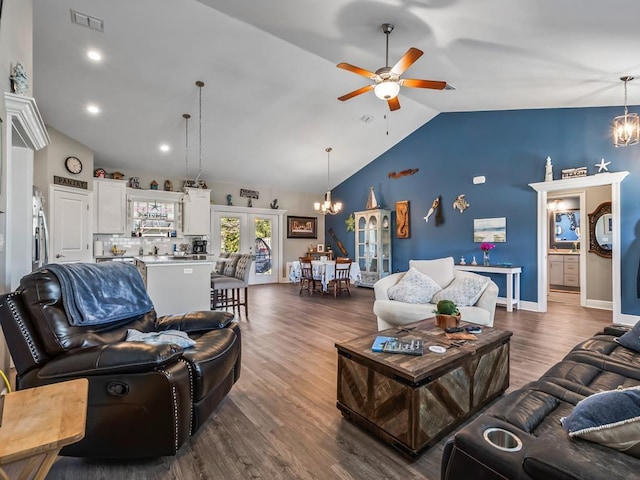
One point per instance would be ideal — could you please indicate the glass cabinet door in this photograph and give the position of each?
(372, 244)
(361, 244)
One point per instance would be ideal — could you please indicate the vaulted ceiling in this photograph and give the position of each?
(269, 105)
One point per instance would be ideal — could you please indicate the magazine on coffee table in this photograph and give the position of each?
(406, 346)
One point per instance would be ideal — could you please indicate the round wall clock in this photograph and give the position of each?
(73, 165)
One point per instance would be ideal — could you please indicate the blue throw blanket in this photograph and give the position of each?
(100, 293)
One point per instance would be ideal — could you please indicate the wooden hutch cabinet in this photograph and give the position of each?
(373, 245)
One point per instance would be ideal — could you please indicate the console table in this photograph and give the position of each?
(513, 280)
(37, 423)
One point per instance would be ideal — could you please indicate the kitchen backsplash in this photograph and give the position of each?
(132, 245)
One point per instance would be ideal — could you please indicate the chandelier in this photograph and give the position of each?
(327, 206)
(626, 128)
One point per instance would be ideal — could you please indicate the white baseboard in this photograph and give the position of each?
(529, 306)
(626, 319)
(601, 304)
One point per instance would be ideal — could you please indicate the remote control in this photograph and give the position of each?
(454, 329)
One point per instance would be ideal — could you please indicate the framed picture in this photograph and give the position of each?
(320, 248)
(302, 227)
(490, 230)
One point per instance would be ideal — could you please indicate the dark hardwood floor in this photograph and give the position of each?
(280, 420)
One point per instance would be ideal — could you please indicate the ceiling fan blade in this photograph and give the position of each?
(356, 93)
(406, 61)
(415, 83)
(358, 70)
(394, 103)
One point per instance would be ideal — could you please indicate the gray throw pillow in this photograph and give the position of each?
(610, 418)
(414, 287)
(631, 339)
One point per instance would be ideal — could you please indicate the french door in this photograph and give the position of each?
(248, 230)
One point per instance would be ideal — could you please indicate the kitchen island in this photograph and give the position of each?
(177, 284)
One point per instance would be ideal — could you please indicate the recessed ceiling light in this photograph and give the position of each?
(94, 109)
(164, 147)
(94, 55)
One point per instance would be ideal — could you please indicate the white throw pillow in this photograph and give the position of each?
(414, 287)
(464, 290)
(441, 270)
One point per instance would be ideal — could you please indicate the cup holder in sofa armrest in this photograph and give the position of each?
(502, 439)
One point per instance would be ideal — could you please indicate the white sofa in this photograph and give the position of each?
(393, 313)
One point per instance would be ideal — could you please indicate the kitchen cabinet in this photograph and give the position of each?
(110, 206)
(176, 285)
(70, 225)
(373, 245)
(564, 270)
(196, 212)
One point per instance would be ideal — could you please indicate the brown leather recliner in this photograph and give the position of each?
(144, 400)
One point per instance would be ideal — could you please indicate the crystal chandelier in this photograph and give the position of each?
(626, 128)
(327, 206)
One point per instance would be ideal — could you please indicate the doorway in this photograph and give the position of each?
(579, 184)
(564, 247)
(249, 230)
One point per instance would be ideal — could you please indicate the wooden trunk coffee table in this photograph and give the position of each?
(410, 401)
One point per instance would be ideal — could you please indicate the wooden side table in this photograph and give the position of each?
(37, 423)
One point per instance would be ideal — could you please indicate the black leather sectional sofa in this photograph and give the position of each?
(533, 415)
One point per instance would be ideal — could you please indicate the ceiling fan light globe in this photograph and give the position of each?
(387, 90)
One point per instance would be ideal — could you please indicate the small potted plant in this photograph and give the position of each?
(447, 314)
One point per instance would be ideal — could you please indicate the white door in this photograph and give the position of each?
(70, 227)
(249, 232)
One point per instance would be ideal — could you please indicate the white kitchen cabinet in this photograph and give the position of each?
(70, 228)
(373, 245)
(110, 206)
(196, 212)
(564, 270)
(176, 285)
(556, 269)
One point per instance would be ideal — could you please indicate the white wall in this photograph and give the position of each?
(599, 269)
(16, 45)
(21, 225)
(49, 162)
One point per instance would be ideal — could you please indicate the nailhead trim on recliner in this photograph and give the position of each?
(23, 329)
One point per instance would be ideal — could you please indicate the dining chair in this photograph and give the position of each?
(342, 280)
(309, 280)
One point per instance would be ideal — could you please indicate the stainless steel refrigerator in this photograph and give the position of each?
(40, 240)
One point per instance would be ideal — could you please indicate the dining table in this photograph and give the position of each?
(325, 270)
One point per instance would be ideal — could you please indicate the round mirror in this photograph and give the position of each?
(600, 230)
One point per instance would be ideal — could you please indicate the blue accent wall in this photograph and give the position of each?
(510, 149)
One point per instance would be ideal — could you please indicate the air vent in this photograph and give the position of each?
(94, 23)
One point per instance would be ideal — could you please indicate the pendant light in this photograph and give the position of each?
(187, 182)
(626, 128)
(327, 206)
(186, 117)
(199, 84)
